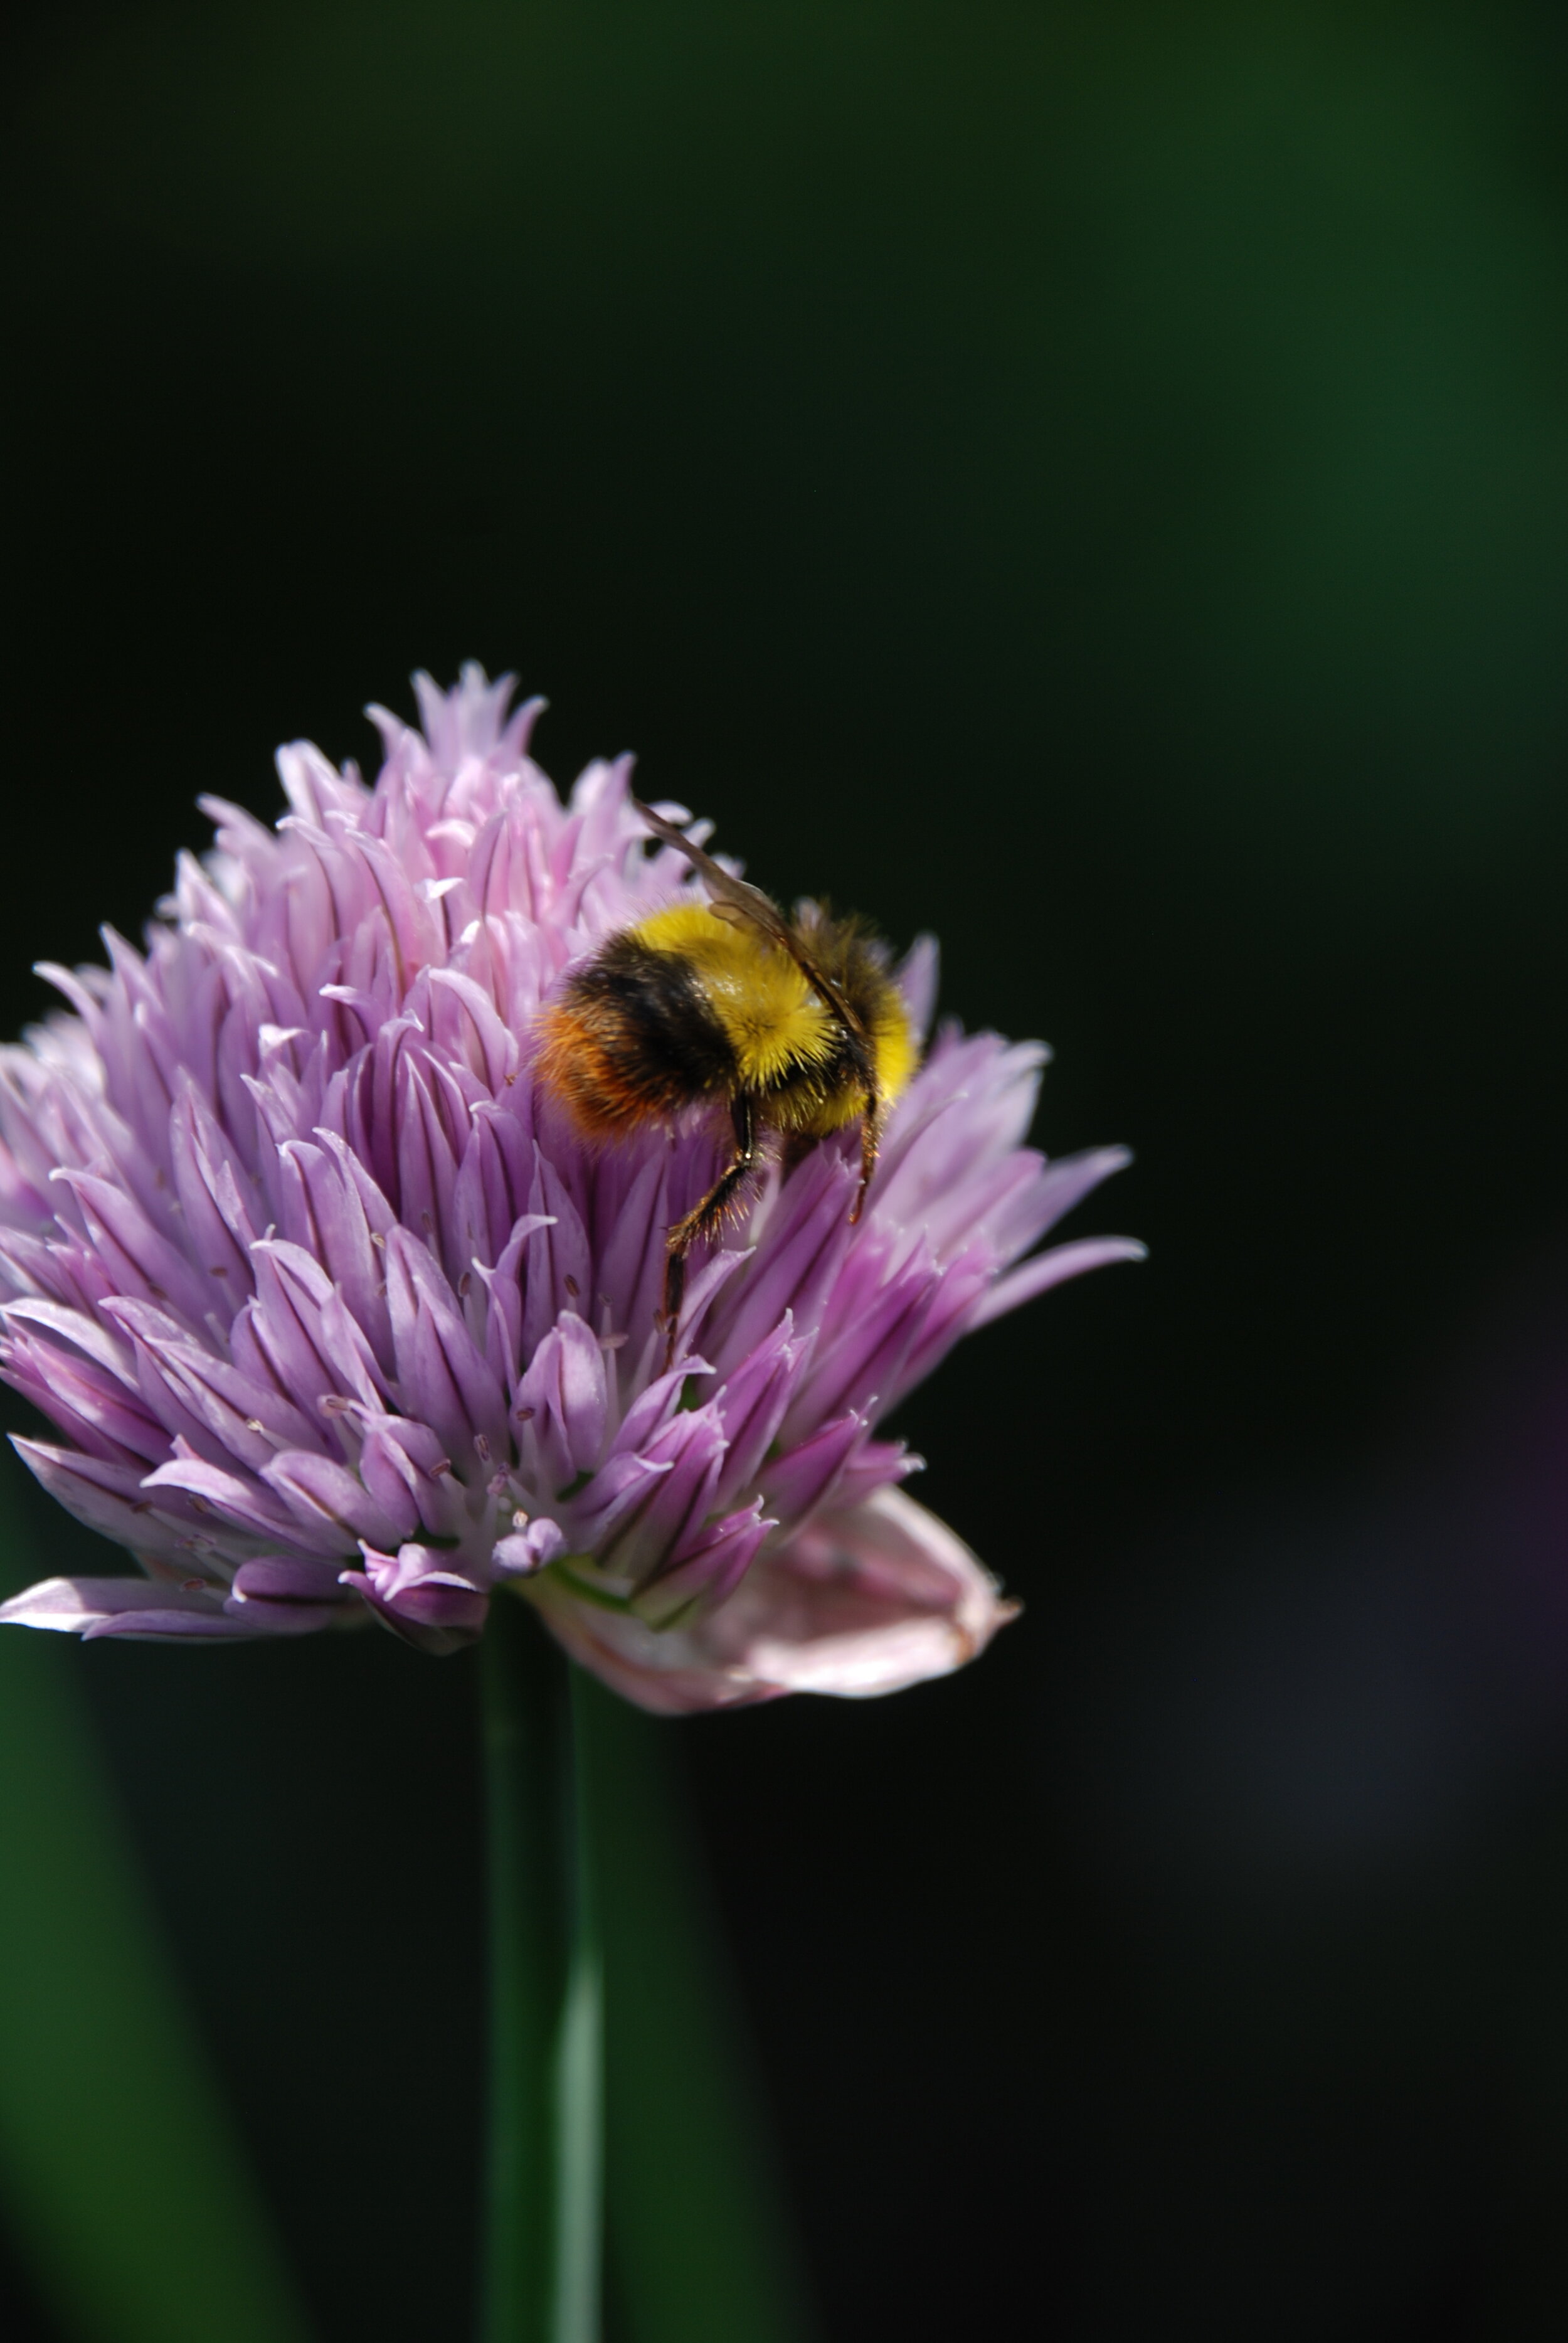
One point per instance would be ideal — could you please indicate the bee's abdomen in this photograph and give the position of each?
(633, 1037)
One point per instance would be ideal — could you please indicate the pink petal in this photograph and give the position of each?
(137, 1606)
(864, 1603)
(1053, 1268)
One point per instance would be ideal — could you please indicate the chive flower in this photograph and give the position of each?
(340, 1319)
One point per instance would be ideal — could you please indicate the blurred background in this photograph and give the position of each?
(1093, 482)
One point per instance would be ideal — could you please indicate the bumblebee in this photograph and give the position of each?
(795, 1025)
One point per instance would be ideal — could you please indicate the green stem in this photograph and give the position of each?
(541, 2272)
(701, 2242)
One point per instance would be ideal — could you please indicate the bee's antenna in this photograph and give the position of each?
(733, 894)
(735, 899)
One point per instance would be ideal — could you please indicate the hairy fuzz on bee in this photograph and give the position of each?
(796, 1025)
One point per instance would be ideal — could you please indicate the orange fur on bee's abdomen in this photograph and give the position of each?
(574, 1064)
(632, 1040)
(577, 1061)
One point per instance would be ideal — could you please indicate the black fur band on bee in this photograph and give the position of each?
(659, 1044)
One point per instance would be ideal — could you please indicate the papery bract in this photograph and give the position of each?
(339, 1318)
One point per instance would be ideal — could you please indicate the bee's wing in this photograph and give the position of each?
(734, 900)
(731, 895)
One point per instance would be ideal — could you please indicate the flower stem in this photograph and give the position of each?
(540, 2281)
(702, 2247)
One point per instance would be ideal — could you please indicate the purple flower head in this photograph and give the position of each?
(338, 1318)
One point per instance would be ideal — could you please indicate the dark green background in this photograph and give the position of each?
(1093, 482)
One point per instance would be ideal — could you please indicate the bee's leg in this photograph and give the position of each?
(870, 1142)
(704, 1218)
